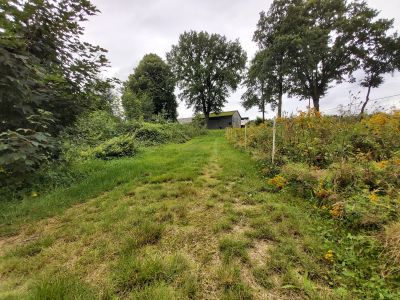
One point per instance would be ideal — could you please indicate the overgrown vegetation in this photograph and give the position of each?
(48, 78)
(348, 171)
(96, 135)
(56, 111)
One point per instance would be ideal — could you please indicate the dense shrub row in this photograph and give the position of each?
(101, 135)
(96, 135)
(349, 170)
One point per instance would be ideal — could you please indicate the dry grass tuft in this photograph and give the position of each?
(392, 247)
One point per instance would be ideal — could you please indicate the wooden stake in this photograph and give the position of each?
(245, 136)
(273, 141)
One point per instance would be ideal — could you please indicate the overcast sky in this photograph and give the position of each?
(129, 29)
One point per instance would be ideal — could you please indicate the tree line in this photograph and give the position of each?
(304, 47)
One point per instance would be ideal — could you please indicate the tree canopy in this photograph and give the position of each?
(150, 90)
(274, 35)
(48, 76)
(207, 67)
(261, 82)
(317, 42)
(375, 49)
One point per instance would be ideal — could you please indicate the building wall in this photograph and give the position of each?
(223, 122)
(236, 120)
(219, 123)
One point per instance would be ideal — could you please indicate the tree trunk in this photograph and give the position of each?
(316, 102)
(206, 110)
(206, 119)
(280, 95)
(365, 103)
(263, 112)
(262, 102)
(315, 89)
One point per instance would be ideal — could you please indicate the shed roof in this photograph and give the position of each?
(223, 114)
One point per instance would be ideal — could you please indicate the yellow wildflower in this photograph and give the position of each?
(34, 194)
(373, 197)
(336, 210)
(382, 164)
(278, 181)
(329, 256)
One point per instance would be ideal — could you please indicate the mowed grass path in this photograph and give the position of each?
(186, 221)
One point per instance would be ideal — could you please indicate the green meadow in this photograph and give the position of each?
(178, 221)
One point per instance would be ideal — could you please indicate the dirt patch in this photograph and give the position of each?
(259, 252)
(240, 228)
(259, 292)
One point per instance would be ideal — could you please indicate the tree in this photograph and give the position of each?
(274, 33)
(48, 76)
(150, 90)
(207, 67)
(319, 37)
(375, 49)
(45, 65)
(317, 42)
(136, 107)
(322, 52)
(261, 83)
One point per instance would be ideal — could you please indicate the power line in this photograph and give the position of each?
(370, 100)
(385, 97)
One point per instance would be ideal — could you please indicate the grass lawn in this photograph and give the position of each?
(178, 221)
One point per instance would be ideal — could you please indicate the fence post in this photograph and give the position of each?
(245, 136)
(273, 140)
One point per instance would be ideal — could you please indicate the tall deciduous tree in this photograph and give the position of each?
(207, 67)
(321, 55)
(150, 90)
(376, 50)
(261, 83)
(319, 40)
(274, 33)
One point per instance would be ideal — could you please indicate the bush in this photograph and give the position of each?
(151, 134)
(116, 147)
(22, 152)
(25, 152)
(94, 128)
(349, 168)
(155, 134)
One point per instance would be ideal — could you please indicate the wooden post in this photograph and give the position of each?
(245, 136)
(273, 141)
